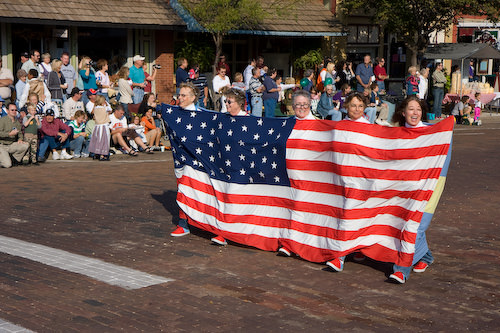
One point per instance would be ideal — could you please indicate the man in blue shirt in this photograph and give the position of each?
(364, 74)
(181, 75)
(138, 78)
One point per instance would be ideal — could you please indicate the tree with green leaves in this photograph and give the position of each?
(415, 20)
(220, 17)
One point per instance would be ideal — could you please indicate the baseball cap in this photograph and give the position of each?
(25, 54)
(50, 112)
(91, 92)
(138, 57)
(75, 91)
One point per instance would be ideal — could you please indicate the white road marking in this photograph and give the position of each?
(6, 327)
(94, 268)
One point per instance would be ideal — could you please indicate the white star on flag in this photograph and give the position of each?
(189, 126)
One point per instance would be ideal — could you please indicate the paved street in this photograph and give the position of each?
(85, 247)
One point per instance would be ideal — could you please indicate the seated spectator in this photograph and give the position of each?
(34, 85)
(11, 138)
(97, 130)
(153, 133)
(341, 96)
(73, 104)
(149, 101)
(120, 133)
(55, 134)
(31, 124)
(21, 83)
(39, 105)
(315, 97)
(92, 95)
(138, 126)
(370, 110)
(382, 108)
(461, 109)
(238, 81)
(79, 142)
(327, 108)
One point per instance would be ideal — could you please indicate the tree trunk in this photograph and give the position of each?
(218, 37)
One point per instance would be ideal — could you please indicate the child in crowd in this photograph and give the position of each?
(99, 142)
(31, 124)
(79, 143)
(315, 96)
(477, 109)
(238, 82)
(412, 81)
(39, 105)
(138, 126)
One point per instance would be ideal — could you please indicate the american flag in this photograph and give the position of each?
(322, 189)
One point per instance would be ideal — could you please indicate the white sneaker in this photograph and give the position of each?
(55, 155)
(76, 156)
(84, 155)
(66, 156)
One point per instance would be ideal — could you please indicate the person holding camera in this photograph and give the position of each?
(87, 74)
(11, 138)
(149, 78)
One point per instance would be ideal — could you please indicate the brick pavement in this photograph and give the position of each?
(121, 212)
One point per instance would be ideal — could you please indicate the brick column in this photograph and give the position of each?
(164, 44)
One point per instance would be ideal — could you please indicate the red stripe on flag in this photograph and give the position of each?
(355, 171)
(358, 194)
(445, 125)
(308, 207)
(379, 154)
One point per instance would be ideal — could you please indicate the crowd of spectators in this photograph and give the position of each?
(54, 110)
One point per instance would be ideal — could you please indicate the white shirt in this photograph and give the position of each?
(104, 79)
(218, 82)
(5, 74)
(90, 107)
(361, 119)
(247, 75)
(308, 117)
(117, 123)
(422, 87)
(70, 106)
(420, 124)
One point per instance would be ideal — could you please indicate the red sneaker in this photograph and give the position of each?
(219, 240)
(420, 267)
(336, 264)
(180, 231)
(284, 252)
(398, 277)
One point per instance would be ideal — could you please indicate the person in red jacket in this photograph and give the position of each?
(55, 134)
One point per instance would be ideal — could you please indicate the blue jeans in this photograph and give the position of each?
(438, 101)
(336, 114)
(183, 223)
(381, 85)
(138, 95)
(79, 145)
(53, 143)
(270, 107)
(257, 105)
(371, 112)
(427, 258)
(85, 99)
